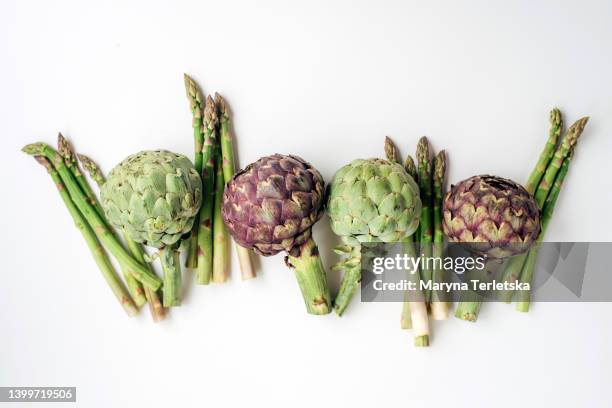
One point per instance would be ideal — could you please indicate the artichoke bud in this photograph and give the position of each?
(492, 216)
(271, 205)
(153, 196)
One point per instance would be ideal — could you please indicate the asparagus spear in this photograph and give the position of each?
(439, 308)
(196, 104)
(66, 151)
(227, 151)
(100, 228)
(205, 237)
(414, 312)
(98, 252)
(135, 248)
(425, 226)
(220, 234)
(392, 154)
(155, 306)
(556, 124)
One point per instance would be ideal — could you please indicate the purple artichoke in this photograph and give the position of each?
(271, 206)
(493, 216)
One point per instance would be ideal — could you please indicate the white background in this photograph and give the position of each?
(324, 80)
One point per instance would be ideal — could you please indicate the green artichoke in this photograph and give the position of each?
(270, 207)
(154, 196)
(370, 200)
(492, 216)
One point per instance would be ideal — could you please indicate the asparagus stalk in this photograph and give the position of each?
(196, 104)
(227, 152)
(439, 308)
(155, 305)
(515, 264)
(556, 124)
(135, 248)
(97, 223)
(415, 310)
(392, 154)
(220, 234)
(425, 226)
(98, 252)
(205, 237)
(67, 152)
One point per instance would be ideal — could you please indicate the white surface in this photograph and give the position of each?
(326, 82)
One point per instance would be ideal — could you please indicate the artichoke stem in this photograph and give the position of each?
(348, 285)
(171, 290)
(311, 277)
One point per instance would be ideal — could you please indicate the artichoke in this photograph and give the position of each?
(271, 206)
(153, 197)
(370, 201)
(491, 216)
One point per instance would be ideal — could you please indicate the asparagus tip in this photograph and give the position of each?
(440, 164)
(410, 167)
(34, 149)
(422, 150)
(221, 106)
(210, 113)
(391, 150)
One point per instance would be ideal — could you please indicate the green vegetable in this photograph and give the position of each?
(540, 177)
(65, 150)
(425, 236)
(153, 197)
(556, 124)
(370, 201)
(98, 252)
(514, 266)
(564, 153)
(227, 152)
(196, 104)
(567, 144)
(220, 236)
(439, 308)
(88, 211)
(135, 248)
(205, 235)
(414, 310)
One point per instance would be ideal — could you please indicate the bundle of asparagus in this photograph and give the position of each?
(86, 211)
(214, 159)
(545, 184)
(429, 238)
